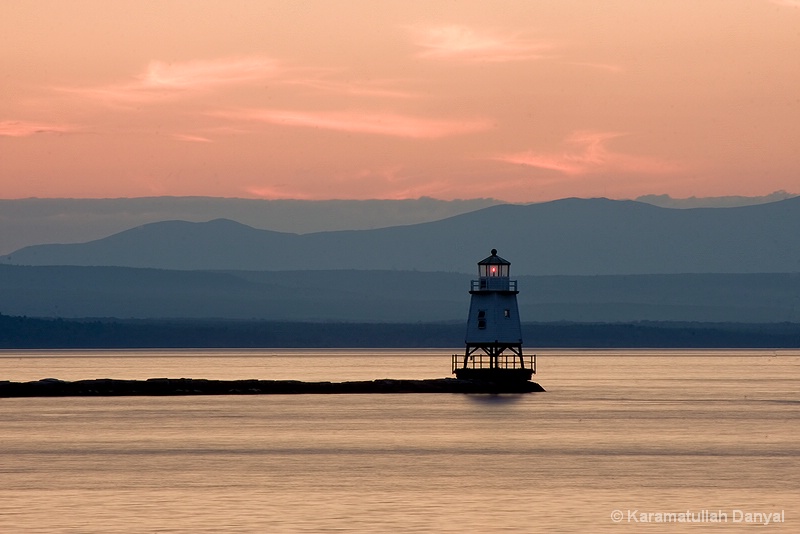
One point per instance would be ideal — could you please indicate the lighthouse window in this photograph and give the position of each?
(506, 313)
(481, 319)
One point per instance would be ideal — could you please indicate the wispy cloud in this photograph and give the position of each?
(372, 88)
(787, 3)
(203, 74)
(608, 67)
(384, 182)
(467, 44)
(162, 80)
(192, 138)
(377, 123)
(585, 152)
(28, 128)
(277, 192)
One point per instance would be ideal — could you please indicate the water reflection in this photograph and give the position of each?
(496, 399)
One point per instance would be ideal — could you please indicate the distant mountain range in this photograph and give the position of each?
(564, 237)
(666, 201)
(36, 221)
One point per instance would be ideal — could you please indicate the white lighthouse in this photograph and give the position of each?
(494, 335)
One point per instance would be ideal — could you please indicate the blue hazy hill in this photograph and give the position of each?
(564, 237)
(36, 221)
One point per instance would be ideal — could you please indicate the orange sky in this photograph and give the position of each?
(517, 100)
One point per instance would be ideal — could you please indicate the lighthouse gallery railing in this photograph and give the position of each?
(504, 361)
(493, 284)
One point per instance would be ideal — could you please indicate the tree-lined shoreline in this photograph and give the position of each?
(45, 333)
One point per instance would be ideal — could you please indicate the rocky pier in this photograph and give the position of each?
(106, 387)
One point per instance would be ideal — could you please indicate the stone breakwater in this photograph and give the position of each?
(106, 387)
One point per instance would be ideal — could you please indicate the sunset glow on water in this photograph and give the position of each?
(634, 433)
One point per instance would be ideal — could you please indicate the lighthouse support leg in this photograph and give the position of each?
(467, 354)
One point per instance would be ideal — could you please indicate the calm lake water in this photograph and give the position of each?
(620, 437)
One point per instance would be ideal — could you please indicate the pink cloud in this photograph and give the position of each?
(385, 182)
(391, 124)
(463, 43)
(277, 192)
(28, 128)
(787, 3)
(373, 88)
(192, 138)
(609, 67)
(162, 80)
(586, 153)
(202, 74)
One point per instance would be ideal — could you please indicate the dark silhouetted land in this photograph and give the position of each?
(29, 333)
(389, 296)
(188, 386)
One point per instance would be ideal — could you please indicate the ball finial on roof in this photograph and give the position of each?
(494, 252)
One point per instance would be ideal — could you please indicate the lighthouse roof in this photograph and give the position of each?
(494, 259)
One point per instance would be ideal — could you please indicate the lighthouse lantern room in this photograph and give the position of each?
(494, 335)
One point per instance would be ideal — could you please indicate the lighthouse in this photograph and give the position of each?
(494, 335)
